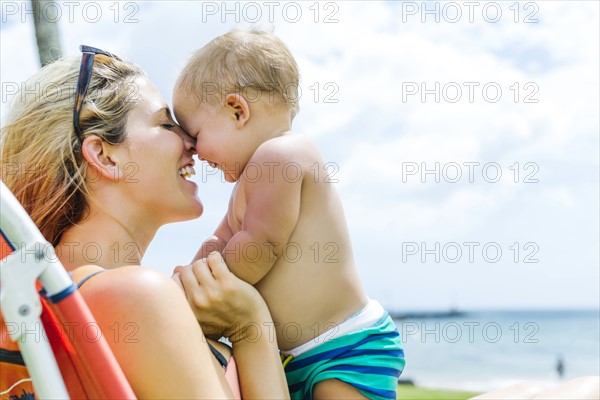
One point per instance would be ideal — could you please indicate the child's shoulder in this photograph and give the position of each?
(288, 147)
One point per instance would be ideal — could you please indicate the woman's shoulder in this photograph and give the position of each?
(129, 284)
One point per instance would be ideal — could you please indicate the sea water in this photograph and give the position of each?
(486, 350)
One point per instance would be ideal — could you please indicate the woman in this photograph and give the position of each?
(99, 170)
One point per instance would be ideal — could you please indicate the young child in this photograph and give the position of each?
(285, 231)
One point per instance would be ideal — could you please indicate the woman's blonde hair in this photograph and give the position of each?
(40, 152)
(243, 61)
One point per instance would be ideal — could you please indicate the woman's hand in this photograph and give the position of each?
(222, 303)
(225, 304)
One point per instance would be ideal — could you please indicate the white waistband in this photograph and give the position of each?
(366, 317)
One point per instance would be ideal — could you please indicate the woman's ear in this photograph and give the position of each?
(239, 108)
(97, 154)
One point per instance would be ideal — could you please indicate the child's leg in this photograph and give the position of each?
(336, 389)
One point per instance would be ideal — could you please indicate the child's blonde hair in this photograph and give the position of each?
(255, 63)
(40, 152)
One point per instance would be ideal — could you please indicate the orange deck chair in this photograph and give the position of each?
(50, 344)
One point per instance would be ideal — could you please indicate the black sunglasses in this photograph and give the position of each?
(85, 76)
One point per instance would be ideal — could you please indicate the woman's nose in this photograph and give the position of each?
(189, 142)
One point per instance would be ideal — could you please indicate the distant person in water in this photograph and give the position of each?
(560, 366)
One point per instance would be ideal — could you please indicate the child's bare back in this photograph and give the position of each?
(287, 201)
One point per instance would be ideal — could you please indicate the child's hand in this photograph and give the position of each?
(221, 302)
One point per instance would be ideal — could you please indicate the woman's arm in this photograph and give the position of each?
(259, 364)
(154, 335)
(222, 300)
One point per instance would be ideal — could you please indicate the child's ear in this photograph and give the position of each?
(239, 108)
(97, 153)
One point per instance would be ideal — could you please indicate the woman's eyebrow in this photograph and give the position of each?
(179, 121)
(164, 111)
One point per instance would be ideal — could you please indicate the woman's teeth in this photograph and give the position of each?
(187, 172)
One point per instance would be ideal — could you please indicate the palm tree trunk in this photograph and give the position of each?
(46, 30)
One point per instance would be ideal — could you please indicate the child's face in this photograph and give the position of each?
(219, 140)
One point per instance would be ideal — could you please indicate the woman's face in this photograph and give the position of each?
(158, 156)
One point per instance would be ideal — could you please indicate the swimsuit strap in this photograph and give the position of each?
(220, 358)
(84, 280)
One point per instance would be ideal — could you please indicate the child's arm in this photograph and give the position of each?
(272, 210)
(217, 242)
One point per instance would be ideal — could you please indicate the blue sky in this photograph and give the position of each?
(512, 213)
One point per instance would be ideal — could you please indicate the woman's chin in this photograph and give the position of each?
(196, 207)
(191, 211)
(199, 213)
(187, 215)
(198, 210)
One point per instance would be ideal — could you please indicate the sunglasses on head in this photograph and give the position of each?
(83, 81)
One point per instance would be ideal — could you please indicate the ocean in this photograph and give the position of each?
(486, 350)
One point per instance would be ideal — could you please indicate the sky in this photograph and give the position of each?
(462, 137)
